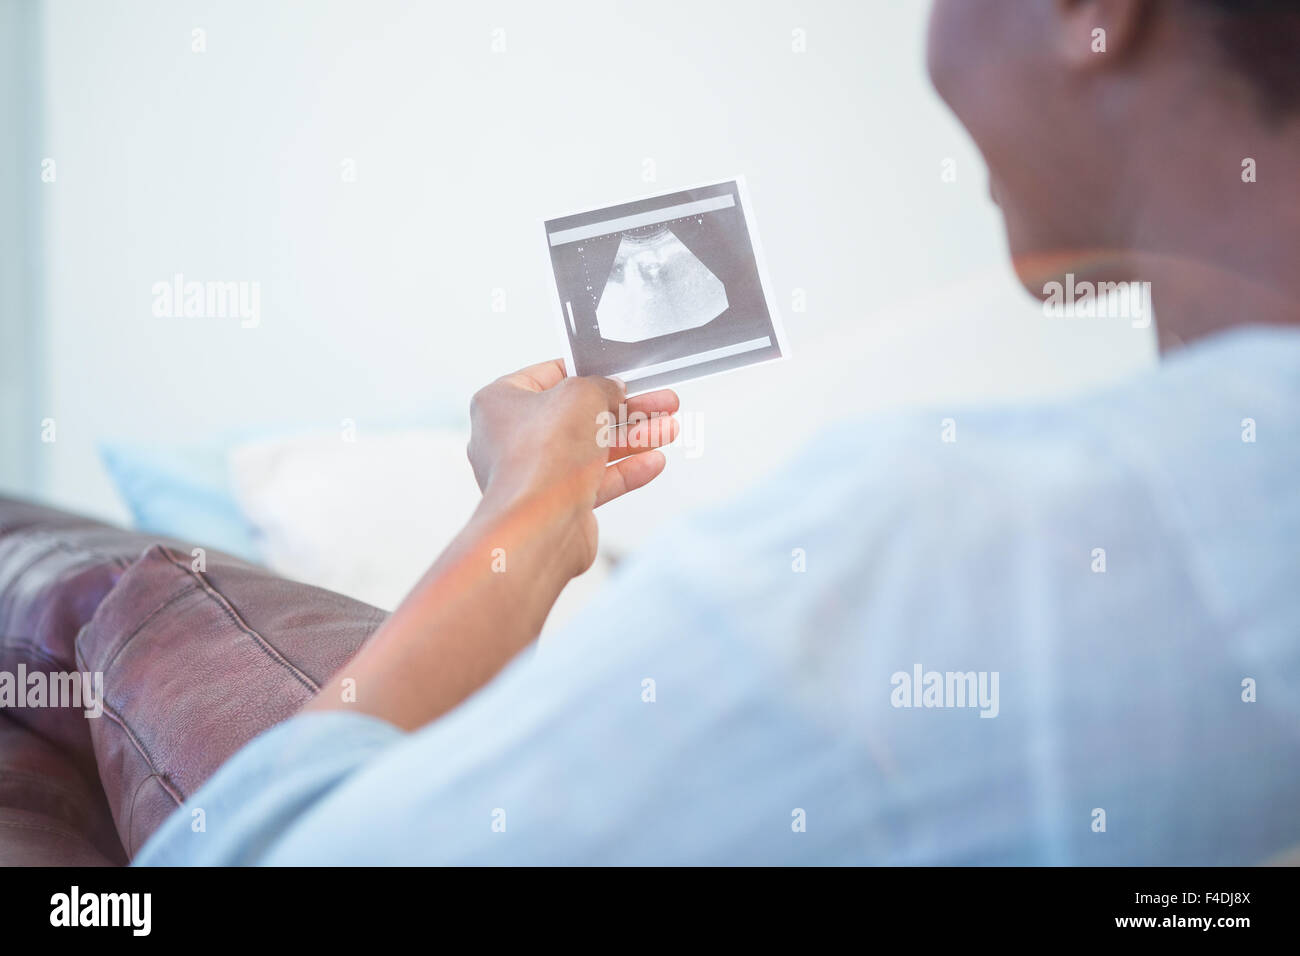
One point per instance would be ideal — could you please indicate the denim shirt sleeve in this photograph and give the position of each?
(237, 816)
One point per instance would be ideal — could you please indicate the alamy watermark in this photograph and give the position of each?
(1098, 300)
(132, 911)
(83, 691)
(623, 429)
(182, 299)
(921, 688)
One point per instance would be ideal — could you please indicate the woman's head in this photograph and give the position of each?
(1092, 114)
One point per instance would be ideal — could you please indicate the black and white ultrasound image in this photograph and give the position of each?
(662, 290)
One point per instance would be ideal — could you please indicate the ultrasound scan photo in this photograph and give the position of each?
(665, 289)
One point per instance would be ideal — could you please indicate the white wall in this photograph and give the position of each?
(20, 220)
(376, 294)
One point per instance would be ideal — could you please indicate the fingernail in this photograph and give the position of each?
(621, 384)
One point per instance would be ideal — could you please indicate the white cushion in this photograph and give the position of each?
(365, 517)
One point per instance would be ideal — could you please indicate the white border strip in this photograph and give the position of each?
(699, 358)
(680, 211)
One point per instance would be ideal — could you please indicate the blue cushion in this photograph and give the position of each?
(183, 492)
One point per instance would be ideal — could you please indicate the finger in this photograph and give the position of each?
(629, 475)
(539, 377)
(613, 389)
(642, 436)
(662, 402)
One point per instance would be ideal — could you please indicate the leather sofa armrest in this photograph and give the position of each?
(195, 664)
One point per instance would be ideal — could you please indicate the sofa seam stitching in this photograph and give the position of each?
(108, 664)
(33, 646)
(229, 609)
(58, 545)
(171, 789)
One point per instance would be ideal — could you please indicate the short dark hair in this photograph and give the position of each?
(1261, 39)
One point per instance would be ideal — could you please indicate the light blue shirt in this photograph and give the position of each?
(1123, 570)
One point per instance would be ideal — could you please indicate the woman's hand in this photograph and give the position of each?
(566, 445)
(546, 450)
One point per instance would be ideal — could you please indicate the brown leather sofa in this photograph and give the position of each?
(199, 653)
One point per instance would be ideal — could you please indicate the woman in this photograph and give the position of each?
(1110, 582)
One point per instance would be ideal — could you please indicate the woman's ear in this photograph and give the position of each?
(1095, 34)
